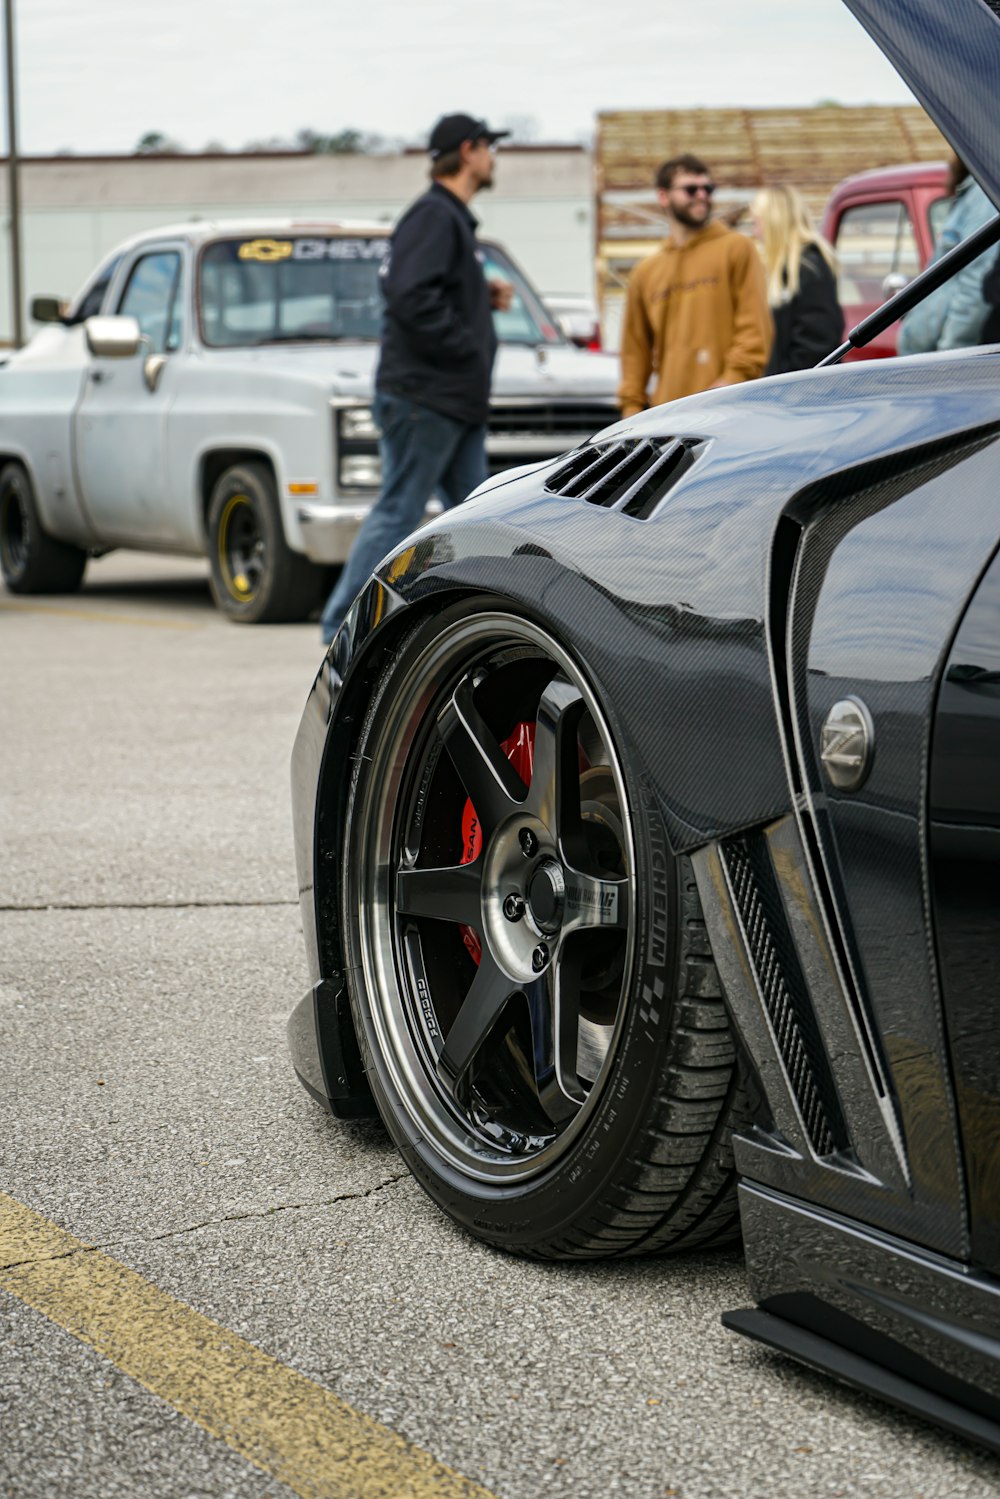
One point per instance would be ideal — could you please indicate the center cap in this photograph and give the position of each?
(546, 892)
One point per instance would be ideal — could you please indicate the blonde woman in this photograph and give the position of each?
(801, 271)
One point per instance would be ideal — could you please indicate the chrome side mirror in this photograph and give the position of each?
(119, 337)
(113, 337)
(894, 282)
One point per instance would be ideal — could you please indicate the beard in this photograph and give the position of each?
(691, 220)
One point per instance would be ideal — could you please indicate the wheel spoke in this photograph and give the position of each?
(554, 795)
(554, 1005)
(492, 783)
(591, 901)
(451, 893)
(480, 1010)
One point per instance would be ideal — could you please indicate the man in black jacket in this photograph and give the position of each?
(432, 386)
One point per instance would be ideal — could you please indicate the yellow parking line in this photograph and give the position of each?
(293, 1429)
(97, 615)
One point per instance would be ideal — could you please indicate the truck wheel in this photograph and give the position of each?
(31, 561)
(539, 1014)
(256, 577)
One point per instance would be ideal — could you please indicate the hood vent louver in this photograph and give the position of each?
(631, 475)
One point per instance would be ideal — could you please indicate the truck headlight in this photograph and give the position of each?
(360, 471)
(358, 463)
(358, 425)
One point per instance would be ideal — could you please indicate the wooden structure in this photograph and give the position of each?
(812, 149)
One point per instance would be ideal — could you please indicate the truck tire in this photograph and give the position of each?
(256, 578)
(31, 561)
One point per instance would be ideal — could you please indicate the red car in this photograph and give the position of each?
(883, 225)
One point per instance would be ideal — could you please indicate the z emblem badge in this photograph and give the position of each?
(847, 744)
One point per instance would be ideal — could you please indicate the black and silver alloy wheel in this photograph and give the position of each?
(503, 973)
(489, 891)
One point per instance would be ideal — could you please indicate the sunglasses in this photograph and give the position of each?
(694, 188)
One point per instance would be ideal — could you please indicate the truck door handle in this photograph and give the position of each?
(97, 376)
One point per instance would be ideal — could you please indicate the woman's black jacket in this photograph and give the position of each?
(811, 323)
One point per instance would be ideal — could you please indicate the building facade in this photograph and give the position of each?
(76, 209)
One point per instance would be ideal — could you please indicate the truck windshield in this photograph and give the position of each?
(321, 288)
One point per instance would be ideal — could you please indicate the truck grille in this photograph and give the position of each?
(552, 418)
(631, 475)
(530, 432)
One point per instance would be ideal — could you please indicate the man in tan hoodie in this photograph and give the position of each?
(696, 313)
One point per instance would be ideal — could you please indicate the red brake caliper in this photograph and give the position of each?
(519, 747)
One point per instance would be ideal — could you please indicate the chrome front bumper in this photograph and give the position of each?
(328, 531)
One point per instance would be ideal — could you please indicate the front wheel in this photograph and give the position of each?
(31, 560)
(533, 989)
(256, 578)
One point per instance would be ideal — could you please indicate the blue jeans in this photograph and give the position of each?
(422, 452)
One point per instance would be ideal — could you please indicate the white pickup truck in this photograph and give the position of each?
(209, 393)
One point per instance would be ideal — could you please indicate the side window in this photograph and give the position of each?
(152, 296)
(872, 240)
(92, 297)
(526, 320)
(91, 304)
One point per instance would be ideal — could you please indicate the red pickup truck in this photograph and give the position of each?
(883, 225)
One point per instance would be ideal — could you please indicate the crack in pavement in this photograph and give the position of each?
(152, 905)
(284, 1207)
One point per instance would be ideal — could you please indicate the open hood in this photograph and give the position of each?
(948, 52)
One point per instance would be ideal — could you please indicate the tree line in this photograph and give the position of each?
(346, 142)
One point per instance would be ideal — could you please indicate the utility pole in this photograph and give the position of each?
(13, 184)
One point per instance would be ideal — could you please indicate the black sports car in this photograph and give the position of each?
(648, 827)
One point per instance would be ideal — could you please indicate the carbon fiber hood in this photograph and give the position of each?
(706, 546)
(948, 52)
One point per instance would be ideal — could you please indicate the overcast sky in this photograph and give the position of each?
(94, 77)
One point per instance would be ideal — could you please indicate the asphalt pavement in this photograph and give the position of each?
(165, 1183)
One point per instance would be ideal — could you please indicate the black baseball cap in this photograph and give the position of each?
(451, 130)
